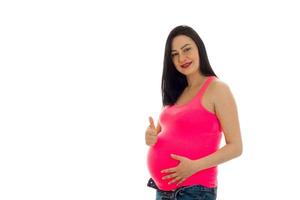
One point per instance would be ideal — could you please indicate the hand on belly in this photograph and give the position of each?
(182, 171)
(161, 164)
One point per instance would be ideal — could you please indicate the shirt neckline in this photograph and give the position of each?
(194, 97)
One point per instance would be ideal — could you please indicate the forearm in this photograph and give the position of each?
(227, 152)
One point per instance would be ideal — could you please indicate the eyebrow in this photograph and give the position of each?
(182, 46)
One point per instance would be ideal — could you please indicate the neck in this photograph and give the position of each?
(195, 80)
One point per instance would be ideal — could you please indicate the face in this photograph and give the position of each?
(185, 51)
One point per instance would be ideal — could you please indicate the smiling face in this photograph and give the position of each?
(185, 51)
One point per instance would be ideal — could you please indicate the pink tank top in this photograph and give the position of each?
(188, 130)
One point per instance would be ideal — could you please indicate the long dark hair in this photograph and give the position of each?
(173, 82)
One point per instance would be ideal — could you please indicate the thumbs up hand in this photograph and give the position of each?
(151, 133)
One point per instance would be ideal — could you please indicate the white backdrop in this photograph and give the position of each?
(78, 80)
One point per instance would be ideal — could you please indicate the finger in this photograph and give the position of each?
(169, 176)
(175, 179)
(152, 141)
(168, 170)
(177, 157)
(151, 122)
(152, 135)
(152, 125)
(181, 181)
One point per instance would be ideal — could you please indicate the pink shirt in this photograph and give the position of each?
(188, 130)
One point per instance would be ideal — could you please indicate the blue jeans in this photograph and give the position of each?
(194, 192)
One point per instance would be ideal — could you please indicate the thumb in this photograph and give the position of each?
(152, 123)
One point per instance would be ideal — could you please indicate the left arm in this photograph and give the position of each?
(226, 111)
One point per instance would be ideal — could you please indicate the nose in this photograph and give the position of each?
(181, 58)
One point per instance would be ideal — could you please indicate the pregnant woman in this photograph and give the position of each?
(197, 108)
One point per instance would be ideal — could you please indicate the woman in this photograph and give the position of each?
(197, 108)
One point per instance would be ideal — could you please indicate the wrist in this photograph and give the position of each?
(198, 165)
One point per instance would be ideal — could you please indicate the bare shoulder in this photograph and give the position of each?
(222, 97)
(219, 90)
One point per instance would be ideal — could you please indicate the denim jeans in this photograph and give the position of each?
(194, 192)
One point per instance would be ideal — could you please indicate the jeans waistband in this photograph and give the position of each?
(197, 187)
(152, 184)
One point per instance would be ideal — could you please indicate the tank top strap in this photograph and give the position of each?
(205, 85)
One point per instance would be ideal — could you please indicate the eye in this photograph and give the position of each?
(187, 49)
(174, 54)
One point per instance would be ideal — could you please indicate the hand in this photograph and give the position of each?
(182, 171)
(151, 133)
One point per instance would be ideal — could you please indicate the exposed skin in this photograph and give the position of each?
(217, 99)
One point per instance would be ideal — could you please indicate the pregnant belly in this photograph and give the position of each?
(159, 156)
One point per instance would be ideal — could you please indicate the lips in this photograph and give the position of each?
(185, 65)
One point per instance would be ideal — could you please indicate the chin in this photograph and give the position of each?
(188, 71)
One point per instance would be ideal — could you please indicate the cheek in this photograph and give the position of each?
(194, 55)
(175, 61)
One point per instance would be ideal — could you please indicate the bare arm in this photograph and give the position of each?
(226, 111)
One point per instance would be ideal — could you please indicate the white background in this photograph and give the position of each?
(78, 80)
